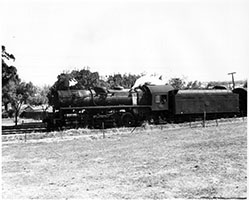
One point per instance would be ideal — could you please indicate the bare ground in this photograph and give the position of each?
(182, 163)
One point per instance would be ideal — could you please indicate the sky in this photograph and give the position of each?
(200, 40)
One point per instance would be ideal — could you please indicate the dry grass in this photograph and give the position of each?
(177, 163)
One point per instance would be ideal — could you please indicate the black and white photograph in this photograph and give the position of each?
(124, 99)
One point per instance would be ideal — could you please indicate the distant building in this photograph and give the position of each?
(34, 112)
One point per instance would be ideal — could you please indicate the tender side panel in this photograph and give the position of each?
(197, 102)
(242, 92)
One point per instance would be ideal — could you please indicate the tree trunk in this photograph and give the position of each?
(6, 107)
(16, 115)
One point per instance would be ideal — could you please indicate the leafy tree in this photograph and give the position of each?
(177, 83)
(62, 82)
(9, 77)
(7, 55)
(9, 73)
(19, 94)
(85, 78)
(40, 97)
(130, 79)
(14, 91)
(193, 85)
(103, 83)
(126, 80)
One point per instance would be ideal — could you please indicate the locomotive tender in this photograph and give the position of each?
(100, 108)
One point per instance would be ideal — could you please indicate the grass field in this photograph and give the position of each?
(151, 164)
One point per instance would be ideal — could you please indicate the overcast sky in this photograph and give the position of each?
(199, 40)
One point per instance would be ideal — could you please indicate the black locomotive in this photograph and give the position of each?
(101, 108)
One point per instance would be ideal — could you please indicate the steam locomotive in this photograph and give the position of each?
(102, 108)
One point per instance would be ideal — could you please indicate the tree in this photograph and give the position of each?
(125, 80)
(85, 78)
(129, 80)
(177, 83)
(14, 91)
(9, 77)
(9, 73)
(193, 85)
(7, 55)
(19, 94)
(40, 97)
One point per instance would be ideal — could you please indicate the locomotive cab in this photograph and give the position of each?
(159, 97)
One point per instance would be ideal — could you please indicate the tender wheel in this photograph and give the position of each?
(128, 120)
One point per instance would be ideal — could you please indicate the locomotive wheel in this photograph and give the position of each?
(128, 120)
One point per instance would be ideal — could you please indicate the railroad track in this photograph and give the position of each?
(24, 128)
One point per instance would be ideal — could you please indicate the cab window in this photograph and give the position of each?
(162, 99)
(157, 99)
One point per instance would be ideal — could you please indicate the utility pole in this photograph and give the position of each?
(232, 78)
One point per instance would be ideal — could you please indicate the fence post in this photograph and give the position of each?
(204, 119)
(103, 128)
(25, 137)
